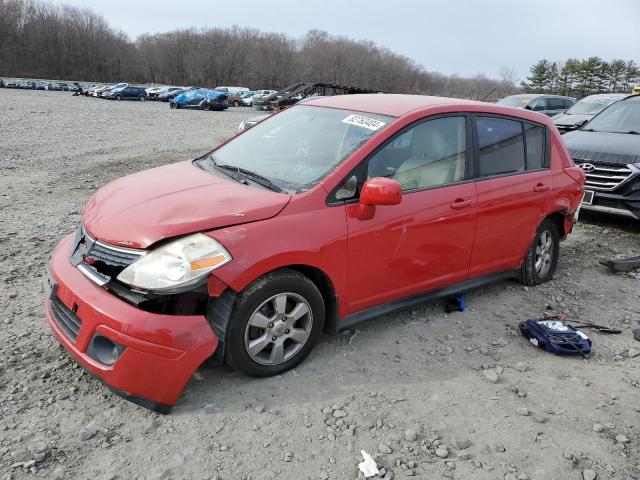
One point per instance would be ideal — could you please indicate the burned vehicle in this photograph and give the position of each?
(323, 215)
(584, 110)
(201, 98)
(294, 93)
(608, 150)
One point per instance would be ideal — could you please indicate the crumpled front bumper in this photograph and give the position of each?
(158, 353)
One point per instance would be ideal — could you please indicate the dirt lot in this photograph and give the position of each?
(409, 386)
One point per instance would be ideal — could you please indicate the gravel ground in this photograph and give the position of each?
(415, 389)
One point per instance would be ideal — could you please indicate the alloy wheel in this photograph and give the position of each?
(278, 328)
(544, 253)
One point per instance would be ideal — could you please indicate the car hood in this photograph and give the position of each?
(144, 208)
(603, 147)
(570, 120)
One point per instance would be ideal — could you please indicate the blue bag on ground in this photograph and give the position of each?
(556, 337)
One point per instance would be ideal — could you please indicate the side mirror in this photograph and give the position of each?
(581, 123)
(377, 191)
(381, 191)
(528, 107)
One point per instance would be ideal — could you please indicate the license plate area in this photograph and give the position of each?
(588, 197)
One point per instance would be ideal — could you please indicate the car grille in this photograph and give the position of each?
(67, 320)
(117, 257)
(84, 246)
(605, 177)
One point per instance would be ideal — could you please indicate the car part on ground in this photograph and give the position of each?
(556, 337)
(294, 93)
(350, 176)
(584, 110)
(621, 264)
(549, 105)
(607, 148)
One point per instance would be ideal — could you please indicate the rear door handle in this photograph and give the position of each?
(461, 203)
(541, 187)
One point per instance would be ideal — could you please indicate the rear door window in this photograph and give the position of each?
(500, 146)
(556, 104)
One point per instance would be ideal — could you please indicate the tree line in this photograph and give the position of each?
(579, 78)
(56, 41)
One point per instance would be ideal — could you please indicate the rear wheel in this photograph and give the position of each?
(275, 324)
(205, 106)
(142, 98)
(236, 103)
(541, 261)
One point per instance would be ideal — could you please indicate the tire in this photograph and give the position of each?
(236, 103)
(541, 261)
(205, 106)
(172, 105)
(142, 98)
(262, 318)
(118, 97)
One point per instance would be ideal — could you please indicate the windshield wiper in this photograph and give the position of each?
(256, 177)
(633, 132)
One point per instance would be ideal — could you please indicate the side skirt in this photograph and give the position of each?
(371, 312)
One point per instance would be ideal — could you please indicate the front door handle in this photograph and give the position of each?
(541, 187)
(461, 203)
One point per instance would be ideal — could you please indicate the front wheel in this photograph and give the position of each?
(205, 106)
(118, 97)
(541, 261)
(142, 98)
(236, 103)
(275, 324)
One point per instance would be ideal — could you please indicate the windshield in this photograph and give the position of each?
(621, 117)
(298, 147)
(518, 101)
(590, 106)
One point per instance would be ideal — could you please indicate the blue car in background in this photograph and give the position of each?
(201, 98)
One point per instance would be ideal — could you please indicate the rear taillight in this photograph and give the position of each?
(577, 174)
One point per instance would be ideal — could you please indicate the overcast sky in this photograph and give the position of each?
(451, 36)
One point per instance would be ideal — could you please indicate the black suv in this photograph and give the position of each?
(550, 105)
(126, 93)
(608, 150)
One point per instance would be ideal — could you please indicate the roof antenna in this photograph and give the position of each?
(487, 95)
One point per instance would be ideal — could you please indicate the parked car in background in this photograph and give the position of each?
(152, 92)
(126, 93)
(584, 110)
(237, 90)
(155, 93)
(550, 105)
(322, 216)
(167, 95)
(201, 98)
(294, 93)
(607, 148)
(247, 98)
(234, 99)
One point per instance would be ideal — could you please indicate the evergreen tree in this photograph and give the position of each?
(539, 79)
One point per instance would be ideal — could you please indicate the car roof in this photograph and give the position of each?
(606, 95)
(394, 105)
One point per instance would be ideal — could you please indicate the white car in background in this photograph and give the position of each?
(247, 100)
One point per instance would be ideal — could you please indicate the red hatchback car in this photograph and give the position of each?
(324, 215)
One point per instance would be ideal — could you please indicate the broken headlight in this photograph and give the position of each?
(176, 266)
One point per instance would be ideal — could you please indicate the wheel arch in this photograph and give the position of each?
(219, 309)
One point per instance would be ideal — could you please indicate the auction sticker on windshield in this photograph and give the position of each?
(365, 122)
